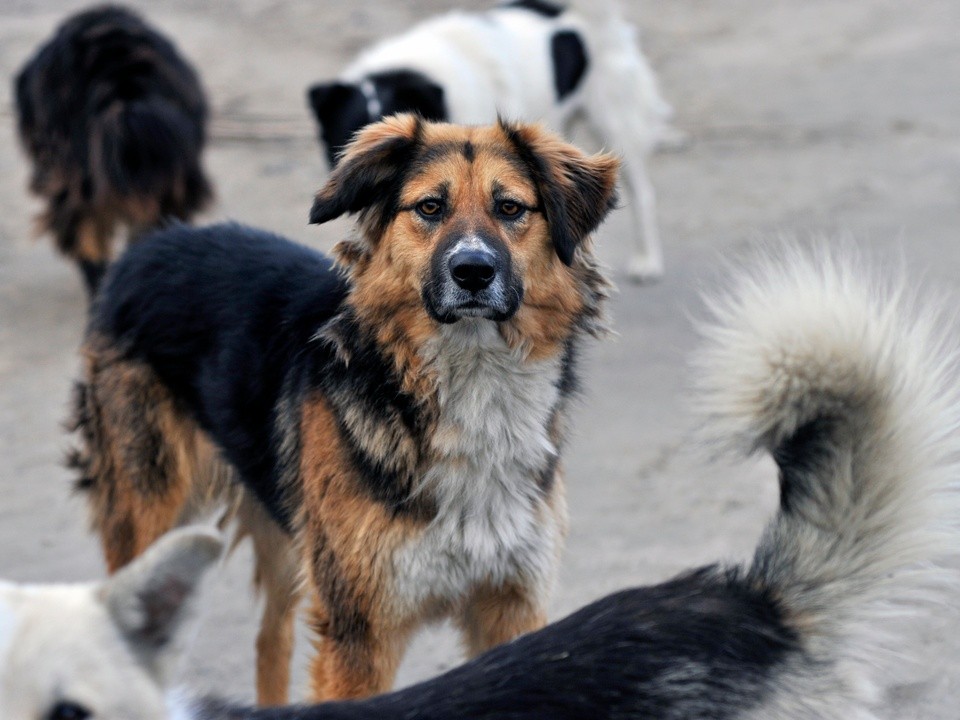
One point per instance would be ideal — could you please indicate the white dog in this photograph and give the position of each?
(526, 60)
(103, 651)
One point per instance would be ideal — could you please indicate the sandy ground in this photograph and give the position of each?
(805, 118)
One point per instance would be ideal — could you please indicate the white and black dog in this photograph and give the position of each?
(849, 387)
(527, 60)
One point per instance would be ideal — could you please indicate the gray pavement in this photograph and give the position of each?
(805, 117)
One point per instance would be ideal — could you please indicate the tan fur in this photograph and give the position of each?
(133, 411)
(387, 279)
(96, 229)
(360, 642)
(93, 239)
(130, 412)
(497, 615)
(349, 542)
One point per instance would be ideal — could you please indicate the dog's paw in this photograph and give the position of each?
(644, 270)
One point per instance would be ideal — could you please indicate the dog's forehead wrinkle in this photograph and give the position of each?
(468, 186)
(441, 190)
(462, 149)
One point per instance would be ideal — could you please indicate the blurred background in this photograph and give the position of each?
(804, 118)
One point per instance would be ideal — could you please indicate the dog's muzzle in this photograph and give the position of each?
(472, 277)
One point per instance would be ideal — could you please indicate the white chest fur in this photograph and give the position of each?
(492, 444)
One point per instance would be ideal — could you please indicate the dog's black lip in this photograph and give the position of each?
(493, 313)
(453, 314)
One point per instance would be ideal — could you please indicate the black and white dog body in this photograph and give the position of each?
(529, 60)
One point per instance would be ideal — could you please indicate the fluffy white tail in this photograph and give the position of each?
(850, 385)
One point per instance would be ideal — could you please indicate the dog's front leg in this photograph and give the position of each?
(357, 656)
(493, 616)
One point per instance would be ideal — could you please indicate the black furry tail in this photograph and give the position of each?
(151, 149)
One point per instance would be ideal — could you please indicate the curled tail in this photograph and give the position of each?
(147, 152)
(849, 384)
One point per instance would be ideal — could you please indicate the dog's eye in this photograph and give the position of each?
(68, 711)
(510, 209)
(430, 209)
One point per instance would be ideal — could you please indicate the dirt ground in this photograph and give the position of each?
(805, 118)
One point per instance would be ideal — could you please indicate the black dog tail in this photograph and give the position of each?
(851, 387)
(149, 150)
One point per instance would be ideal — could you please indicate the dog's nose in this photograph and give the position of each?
(473, 270)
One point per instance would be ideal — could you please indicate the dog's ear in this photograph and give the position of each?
(576, 190)
(150, 599)
(317, 96)
(369, 174)
(340, 110)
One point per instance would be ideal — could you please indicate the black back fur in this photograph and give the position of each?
(240, 325)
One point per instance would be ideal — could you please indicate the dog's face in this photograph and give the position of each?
(467, 222)
(463, 218)
(101, 651)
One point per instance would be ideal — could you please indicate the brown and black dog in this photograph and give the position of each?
(114, 121)
(390, 429)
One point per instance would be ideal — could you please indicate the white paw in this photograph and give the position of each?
(644, 269)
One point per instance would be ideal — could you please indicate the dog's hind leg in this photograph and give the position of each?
(646, 260)
(277, 577)
(138, 454)
(646, 263)
(629, 115)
